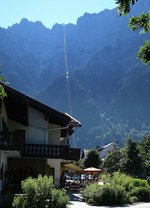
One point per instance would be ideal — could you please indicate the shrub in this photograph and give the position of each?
(137, 182)
(59, 198)
(141, 193)
(18, 202)
(118, 189)
(40, 192)
(122, 180)
(91, 193)
(125, 181)
(140, 189)
(105, 195)
(111, 195)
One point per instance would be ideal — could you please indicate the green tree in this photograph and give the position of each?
(132, 162)
(112, 162)
(92, 159)
(124, 6)
(2, 90)
(137, 22)
(145, 152)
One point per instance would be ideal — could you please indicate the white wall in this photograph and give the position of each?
(36, 118)
(54, 134)
(56, 164)
(33, 135)
(3, 158)
(36, 132)
(39, 130)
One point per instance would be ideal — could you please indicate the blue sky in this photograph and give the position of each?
(49, 12)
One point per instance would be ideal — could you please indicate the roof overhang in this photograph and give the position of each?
(73, 122)
(72, 167)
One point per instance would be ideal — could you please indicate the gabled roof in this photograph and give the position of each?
(106, 146)
(17, 107)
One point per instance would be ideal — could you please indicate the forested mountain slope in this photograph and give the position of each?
(108, 87)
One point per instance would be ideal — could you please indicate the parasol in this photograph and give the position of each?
(92, 170)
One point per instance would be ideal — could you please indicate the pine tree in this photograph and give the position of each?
(133, 159)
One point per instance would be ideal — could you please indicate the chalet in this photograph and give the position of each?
(103, 150)
(34, 139)
(106, 149)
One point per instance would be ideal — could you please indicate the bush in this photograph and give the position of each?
(91, 193)
(59, 198)
(105, 195)
(40, 192)
(118, 189)
(125, 181)
(140, 189)
(18, 202)
(137, 182)
(141, 193)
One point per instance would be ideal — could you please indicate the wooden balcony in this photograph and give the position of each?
(51, 151)
(16, 141)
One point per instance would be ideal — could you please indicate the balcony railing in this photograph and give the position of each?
(15, 141)
(51, 151)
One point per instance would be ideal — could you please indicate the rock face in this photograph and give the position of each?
(107, 89)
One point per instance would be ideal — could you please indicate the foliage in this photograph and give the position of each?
(141, 193)
(118, 178)
(145, 151)
(105, 195)
(144, 147)
(137, 188)
(112, 161)
(132, 159)
(124, 180)
(40, 192)
(124, 6)
(144, 52)
(59, 198)
(117, 189)
(18, 202)
(90, 193)
(143, 21)
(92, 159)
(2, 90)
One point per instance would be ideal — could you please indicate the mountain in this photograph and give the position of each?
(89, 70)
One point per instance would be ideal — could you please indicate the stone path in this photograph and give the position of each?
(76, 202)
